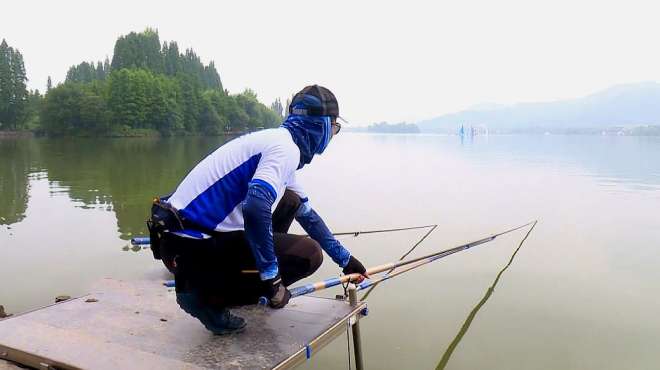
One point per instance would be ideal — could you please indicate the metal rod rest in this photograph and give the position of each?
(357, 342)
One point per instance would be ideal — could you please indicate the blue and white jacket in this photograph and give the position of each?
(238, 186)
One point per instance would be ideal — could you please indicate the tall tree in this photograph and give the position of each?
(212, 77)
(13, 90)
(276, 107)
(49, 85)
(286, 107)
(139, 50)
(6, 88)
(106, 66)
(100, 72)
(127, 98)
(19, 83)
(190, 100)
(172, 58)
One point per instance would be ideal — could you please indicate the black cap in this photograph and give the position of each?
(305, 103)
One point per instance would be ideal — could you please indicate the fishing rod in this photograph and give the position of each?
(373, 286)
(145, 240)
(170, 283)
(411, 264)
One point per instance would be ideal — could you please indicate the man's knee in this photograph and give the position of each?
(315, 256)
(290, 201)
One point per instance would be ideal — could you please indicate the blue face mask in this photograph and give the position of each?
(310, 133)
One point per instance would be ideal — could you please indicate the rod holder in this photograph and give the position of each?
(357, 342)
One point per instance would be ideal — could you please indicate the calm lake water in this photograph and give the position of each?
(582, 292)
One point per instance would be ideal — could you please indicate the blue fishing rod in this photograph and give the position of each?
(407, 266)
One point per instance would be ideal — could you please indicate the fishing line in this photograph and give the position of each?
(313, 287)
(433, 227)
(357, 233)
(417, 262)
(146, 240)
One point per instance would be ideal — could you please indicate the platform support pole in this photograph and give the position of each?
(357, 342)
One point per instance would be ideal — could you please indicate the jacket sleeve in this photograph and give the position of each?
(277, 163)
(258, 226)
(312, 223)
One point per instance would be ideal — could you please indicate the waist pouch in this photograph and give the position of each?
(164, 218)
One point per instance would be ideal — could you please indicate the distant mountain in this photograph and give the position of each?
(618, 106)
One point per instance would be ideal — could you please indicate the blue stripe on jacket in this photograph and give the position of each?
(213, 205)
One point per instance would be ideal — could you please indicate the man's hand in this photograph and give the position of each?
(355, 267)
(278, 294)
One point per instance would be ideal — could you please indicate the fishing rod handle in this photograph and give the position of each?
(142, 240)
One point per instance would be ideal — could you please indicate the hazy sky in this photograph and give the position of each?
(385, 60)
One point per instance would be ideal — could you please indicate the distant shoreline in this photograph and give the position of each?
(529, 133)
(16, 134)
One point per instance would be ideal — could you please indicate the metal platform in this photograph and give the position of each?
(135, 325)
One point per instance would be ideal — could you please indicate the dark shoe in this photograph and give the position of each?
(219, 321)
(229, 323)
(279, 295)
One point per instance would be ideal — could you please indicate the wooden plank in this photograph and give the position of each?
(139, 325)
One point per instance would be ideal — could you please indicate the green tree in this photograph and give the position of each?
(13, 89)
(34, 103)
(127, 98)
(6, 88)
(210, 122)
(247, 100)
(212, 77)
(276, 107)
(100, 72)
(172, 58)
(286, 107)
(149, 86)
(106, 66)
(20, 93)
(139, 50)
(190, 100)
(73, 109)
(164, 111)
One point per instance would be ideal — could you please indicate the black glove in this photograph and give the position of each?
(278, 294)
(354, 267)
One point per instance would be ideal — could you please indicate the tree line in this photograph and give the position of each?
(147, 88)
(398, 128)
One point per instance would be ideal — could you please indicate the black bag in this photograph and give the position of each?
(164, 218)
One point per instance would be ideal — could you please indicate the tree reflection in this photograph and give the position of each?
(121, 175)
(17, 160)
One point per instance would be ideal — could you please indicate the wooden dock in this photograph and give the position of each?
(137, 324)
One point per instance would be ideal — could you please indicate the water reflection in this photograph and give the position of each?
(84, 196)
(119, 175)
(122, 175)
(17, 161)
(468, 320)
